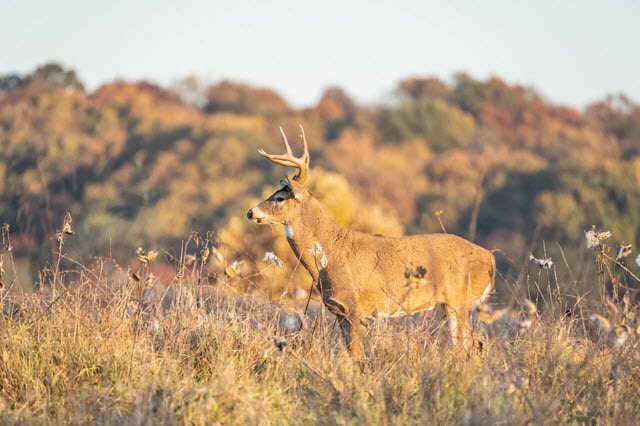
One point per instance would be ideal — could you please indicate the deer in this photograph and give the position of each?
(361, 277)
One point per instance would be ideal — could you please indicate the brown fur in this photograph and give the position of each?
(363, 276)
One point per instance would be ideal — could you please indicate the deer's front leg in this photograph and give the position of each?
(353, 333)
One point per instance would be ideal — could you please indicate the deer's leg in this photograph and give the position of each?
(355, 339)
(453, 325)
(460, 327)
(352, 331)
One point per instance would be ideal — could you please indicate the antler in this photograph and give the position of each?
(288, 160)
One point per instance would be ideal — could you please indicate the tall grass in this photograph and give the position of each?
(96, 345)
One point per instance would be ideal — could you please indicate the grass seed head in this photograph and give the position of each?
(624, 251)
(189, 259)
(318, 251)
(270, 257)
(204, 254)
(146, 256)
(601, 322)
(529, 308)
(197, 238)
(66, 225)
(133, 276)
(233, 270)
(148, 282)
(620, 335)
(545, 263)
(524, 325)
(219, 258)
(596, 238)
(612, 306)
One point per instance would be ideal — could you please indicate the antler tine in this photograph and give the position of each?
(305, 157)
(286, 142)
(289, 160)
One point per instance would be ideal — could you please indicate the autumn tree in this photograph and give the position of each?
(244, 99)
(53, 75)
(336, 110)
(472, 95)
(619, 117)
(191, 90)
(139, 164)
(424, 88)
(440, 124)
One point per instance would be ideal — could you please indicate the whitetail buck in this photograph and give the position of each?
(362, 276)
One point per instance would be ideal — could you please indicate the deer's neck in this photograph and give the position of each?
(311, 227)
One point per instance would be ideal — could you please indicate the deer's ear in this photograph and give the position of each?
(296, 188)
(284, 184)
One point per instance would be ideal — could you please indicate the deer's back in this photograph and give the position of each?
(428, 249)
(416, 272)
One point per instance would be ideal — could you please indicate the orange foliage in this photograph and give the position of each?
(241, 98)
(134, 160)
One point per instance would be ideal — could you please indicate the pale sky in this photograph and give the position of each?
(571, 52)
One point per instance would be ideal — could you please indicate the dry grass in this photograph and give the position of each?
(95, 346)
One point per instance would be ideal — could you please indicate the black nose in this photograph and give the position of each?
(250, 214)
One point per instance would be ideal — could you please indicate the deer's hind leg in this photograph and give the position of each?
(460, 327)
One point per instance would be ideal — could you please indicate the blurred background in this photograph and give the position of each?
(515, 126)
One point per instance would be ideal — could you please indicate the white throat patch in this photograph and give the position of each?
(288, 231)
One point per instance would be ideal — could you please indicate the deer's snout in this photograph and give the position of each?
(256, 215)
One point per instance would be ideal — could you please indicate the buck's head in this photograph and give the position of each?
(284, 204)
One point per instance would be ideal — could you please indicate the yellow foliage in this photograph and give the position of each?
(560, 209)
(636, 169)
(234, 233)
(32, 183)
(163, 169)
(233, 156)
(160, 168)
(335, 194)
(171, 216)
(222, 190)
(348, 208)
(230, 123)
(98, 197)
(382, 174)
(373, 220)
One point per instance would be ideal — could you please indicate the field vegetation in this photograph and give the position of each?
(134, 290)
(97, 344)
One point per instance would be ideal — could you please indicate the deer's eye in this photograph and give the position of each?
(279, 199)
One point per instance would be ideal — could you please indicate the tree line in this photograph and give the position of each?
(136, 164)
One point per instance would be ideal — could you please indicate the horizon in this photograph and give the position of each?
(571, 57)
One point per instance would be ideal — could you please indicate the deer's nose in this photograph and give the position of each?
(250, 214)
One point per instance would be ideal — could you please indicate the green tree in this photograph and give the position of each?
(442, 125)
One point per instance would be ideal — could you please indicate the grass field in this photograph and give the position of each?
(94, 345)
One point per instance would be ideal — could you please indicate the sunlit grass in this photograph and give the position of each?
(97, 346)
